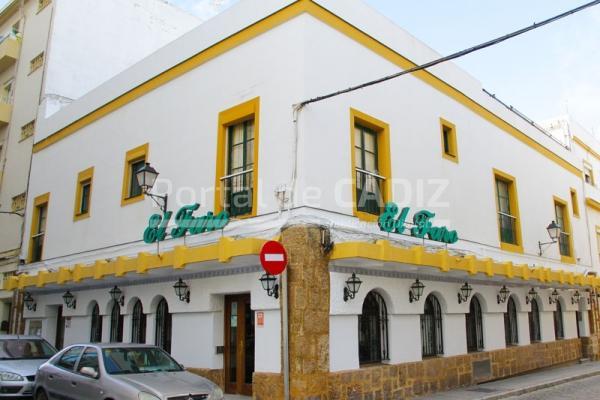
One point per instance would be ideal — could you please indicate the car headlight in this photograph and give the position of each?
(10, 376)
(216, 394)
(147, 396)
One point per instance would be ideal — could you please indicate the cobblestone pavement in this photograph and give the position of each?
(582, 389)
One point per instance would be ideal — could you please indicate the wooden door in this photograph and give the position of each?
(60, 329)
(239, 344)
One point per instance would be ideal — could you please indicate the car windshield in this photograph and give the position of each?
(25, 349)
(137, 360)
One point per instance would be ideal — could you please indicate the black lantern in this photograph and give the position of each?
(117, 295)
(69, 300)
(503, 295)
(553, 297)
(29, 302)
(352, 286)
(146, 177)
(576, 297)
(416, 291)
(270, 285)
(182, 290)
(465, 293)
(554, 233)
(530, 295)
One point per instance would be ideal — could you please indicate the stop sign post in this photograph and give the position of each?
(273, 257)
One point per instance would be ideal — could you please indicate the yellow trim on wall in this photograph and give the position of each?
(83, 178)
(383, 153)
(452, 154)
(567, 228)
(592, 203)
(133, 155)
(383, 251)
(575, 202)
(234, 115)
(586, 147)
(514, 207)
(274, 20)
(178, 258)
(37, 202)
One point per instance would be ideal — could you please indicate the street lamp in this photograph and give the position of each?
(69, 300)
(352, 286)
(503, 294)
(416, 291)
(116, 295)
(182, 290)
(270, 285)
(576, 297)
(146, 178)
(553, 297)
(553, 232)
(464, 293)
(29, 302)
(530, 295)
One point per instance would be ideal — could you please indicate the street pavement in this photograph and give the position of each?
(578, 390)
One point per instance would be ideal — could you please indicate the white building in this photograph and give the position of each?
(51, 53)
(215, 109)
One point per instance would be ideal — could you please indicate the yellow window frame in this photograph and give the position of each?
(384, 158)
(43, 199)
(588, 166)
(514, 207)
(133, 155)
(452, 154)
(567, 228)
(83, 178)
(234, 115)
(575, 202)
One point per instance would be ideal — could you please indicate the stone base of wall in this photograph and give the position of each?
(215, 375)
(439, 374)
(591, 347)
(267, 386)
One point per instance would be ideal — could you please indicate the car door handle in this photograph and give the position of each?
(50, 376)
(73, 383)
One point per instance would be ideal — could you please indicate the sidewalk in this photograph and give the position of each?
(520, 384)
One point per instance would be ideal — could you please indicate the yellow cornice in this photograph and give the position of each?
(383, 251)
(279, 17)
(586, 147)
(222, 251)
(592, 203)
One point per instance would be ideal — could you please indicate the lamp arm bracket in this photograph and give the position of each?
(156, 197)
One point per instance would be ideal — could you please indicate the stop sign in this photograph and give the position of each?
(273, 257)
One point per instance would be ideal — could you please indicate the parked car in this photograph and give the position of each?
(20, 358)
(119, 372)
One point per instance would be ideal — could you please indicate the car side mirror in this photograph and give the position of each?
(89, 371)
(181, 365)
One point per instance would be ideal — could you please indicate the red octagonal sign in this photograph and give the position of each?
(273, 257)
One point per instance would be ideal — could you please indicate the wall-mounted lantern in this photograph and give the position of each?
(326, 241)
(416, 291)
(576, 297)
(69, 300)
(146, 177)
(352, 286)
(116, 295)
(29, 302)
(503, 295)
(553, 232)
(464, 293)
(270, 285)
(182, 290)
(530, 295)
(553, 297)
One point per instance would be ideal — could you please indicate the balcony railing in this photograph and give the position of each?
(5, 112)
(369, 198)
(9, 51)
(37, 245)
(507, 228)
(237, 193)
(564, 244)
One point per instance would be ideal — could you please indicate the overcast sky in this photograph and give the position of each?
(545, 73)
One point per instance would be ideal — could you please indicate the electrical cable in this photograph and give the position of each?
(451, 56)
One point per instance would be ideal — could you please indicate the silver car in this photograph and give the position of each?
(20, 358)
(119, 372)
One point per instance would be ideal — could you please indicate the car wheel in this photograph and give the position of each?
(41, 395)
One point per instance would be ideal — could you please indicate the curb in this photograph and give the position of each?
(540, 386)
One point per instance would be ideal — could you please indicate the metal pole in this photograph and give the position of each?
(285, 336)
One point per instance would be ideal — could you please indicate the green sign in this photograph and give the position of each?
(185, 221)
(422, 226)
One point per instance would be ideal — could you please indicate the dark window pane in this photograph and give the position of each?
(134, 187)
(138, 324)
(96, 331)
(510, 323)
(558, 322)
(69, 358)
(534, 322)
(474, 326)
(85, 198)
(431, 328)
(116, 323)
(372, 329)
(163, 326)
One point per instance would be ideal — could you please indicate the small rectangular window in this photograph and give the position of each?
(36, 63)
(43, 4)
(588, 174)
(508, 212)
(28, 130)
(18, 202)
(134, 160)
(83, 194)
(574, 203)
(565, 239)
(449, 142)
(38, 227)
(7, 92)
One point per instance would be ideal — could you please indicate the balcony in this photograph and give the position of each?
(237, 193)
(9, 51)
(5, 113)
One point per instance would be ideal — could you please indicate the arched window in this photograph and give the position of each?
(474, 326)
(138, 324)
(116, 323)
(559, 331)
(96, 329)
(432, 343)
(534, 322)
(163, 326)
(372, 330)
(511, 330)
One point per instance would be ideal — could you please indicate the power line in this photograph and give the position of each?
(451, 56)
